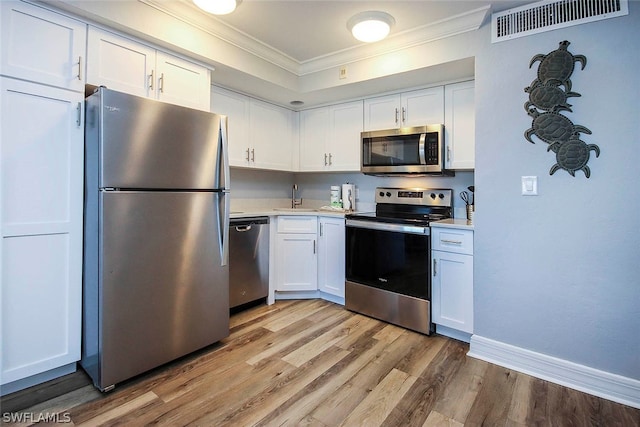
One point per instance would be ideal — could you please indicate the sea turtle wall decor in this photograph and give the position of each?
(548, 95)
(557, 66)
(572, 156)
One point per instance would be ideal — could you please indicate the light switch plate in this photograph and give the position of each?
(529, 185)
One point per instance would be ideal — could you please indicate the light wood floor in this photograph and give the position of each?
(315, 363)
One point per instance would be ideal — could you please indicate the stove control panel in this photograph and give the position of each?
(415, 196)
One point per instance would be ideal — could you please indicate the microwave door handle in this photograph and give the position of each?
(421, 148)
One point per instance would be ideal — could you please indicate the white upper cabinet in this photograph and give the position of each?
(125, 65)
(330, 138)
(459, 125)
(236, 107)
(261, 135)
(271, 136)
(407, 109)
(182, 82)
(120, 63)
(42, 46)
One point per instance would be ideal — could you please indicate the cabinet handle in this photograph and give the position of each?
(404, 115)
(435, 263)
(396, 115)
(325, 159)
(253, 154)
(448, 154)
(79, 114)
(161, 81)
(80, 68)
(320, 229)
(453, 242)
(151, 79)
(247, 154)
(330, 162)
(314, 246)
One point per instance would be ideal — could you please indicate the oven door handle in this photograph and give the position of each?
(400, 228)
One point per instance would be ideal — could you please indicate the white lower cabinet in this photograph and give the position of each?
(452, 281)
(296, 253)
(331, 256)
(41, 206)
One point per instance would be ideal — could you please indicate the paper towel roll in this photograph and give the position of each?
(349, 196)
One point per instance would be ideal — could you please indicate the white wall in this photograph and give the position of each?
(559, 274)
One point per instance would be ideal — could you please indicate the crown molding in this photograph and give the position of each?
(449, 27)
(187, 12)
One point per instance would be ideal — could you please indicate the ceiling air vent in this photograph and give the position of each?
(549, 15)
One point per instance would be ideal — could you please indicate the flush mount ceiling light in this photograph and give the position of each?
(370, 26)
(217, 7)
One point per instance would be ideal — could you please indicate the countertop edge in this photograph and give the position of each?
(275, 213)
(461, 224)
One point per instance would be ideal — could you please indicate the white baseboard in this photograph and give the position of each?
(579, 377)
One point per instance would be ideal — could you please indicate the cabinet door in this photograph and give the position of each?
(313, 139)
(331, 274)
(236, 107)
(345, 127)
(41, 203)
(423, 107)
(182, 82)
(382, 112)
(42, 46)
(120, 63)
(296, 262)
(459, 125)
(452, 290)
(271, 136)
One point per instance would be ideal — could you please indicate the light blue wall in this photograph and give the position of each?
(559, 273)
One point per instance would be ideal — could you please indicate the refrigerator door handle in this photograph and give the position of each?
(225, 203)
(224, 156)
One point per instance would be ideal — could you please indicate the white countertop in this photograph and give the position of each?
(462, 224)
(249, 213)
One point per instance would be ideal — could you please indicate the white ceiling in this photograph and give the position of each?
(306, 30)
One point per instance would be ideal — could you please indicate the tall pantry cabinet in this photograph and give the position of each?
(41, 194)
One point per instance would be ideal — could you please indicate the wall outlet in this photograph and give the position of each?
(343, 72)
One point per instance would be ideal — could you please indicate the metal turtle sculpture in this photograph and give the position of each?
(548, 97)
(572, 155)
(557, 66)
(552, 127)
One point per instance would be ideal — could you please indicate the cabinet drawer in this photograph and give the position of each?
(297, 224)
(452, 240)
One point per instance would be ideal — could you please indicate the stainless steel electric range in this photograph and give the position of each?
(388, 253)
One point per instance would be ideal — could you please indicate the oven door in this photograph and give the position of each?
(392, 257)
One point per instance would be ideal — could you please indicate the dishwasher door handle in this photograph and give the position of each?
(243, 228)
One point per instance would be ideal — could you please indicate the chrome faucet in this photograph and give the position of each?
(295, 202)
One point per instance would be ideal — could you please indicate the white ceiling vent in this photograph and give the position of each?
(549, 15)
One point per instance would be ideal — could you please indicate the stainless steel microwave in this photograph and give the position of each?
(404, 151)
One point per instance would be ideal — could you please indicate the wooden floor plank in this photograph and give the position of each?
(420, 399)
(375, 408)
(314, 363)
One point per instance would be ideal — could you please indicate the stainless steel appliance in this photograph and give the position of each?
(388, 256)
(248, 260)
(404, 151)
(156, 234)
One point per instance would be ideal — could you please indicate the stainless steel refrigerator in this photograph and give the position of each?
(156, 279)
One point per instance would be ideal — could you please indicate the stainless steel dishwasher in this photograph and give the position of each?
(248, 260)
